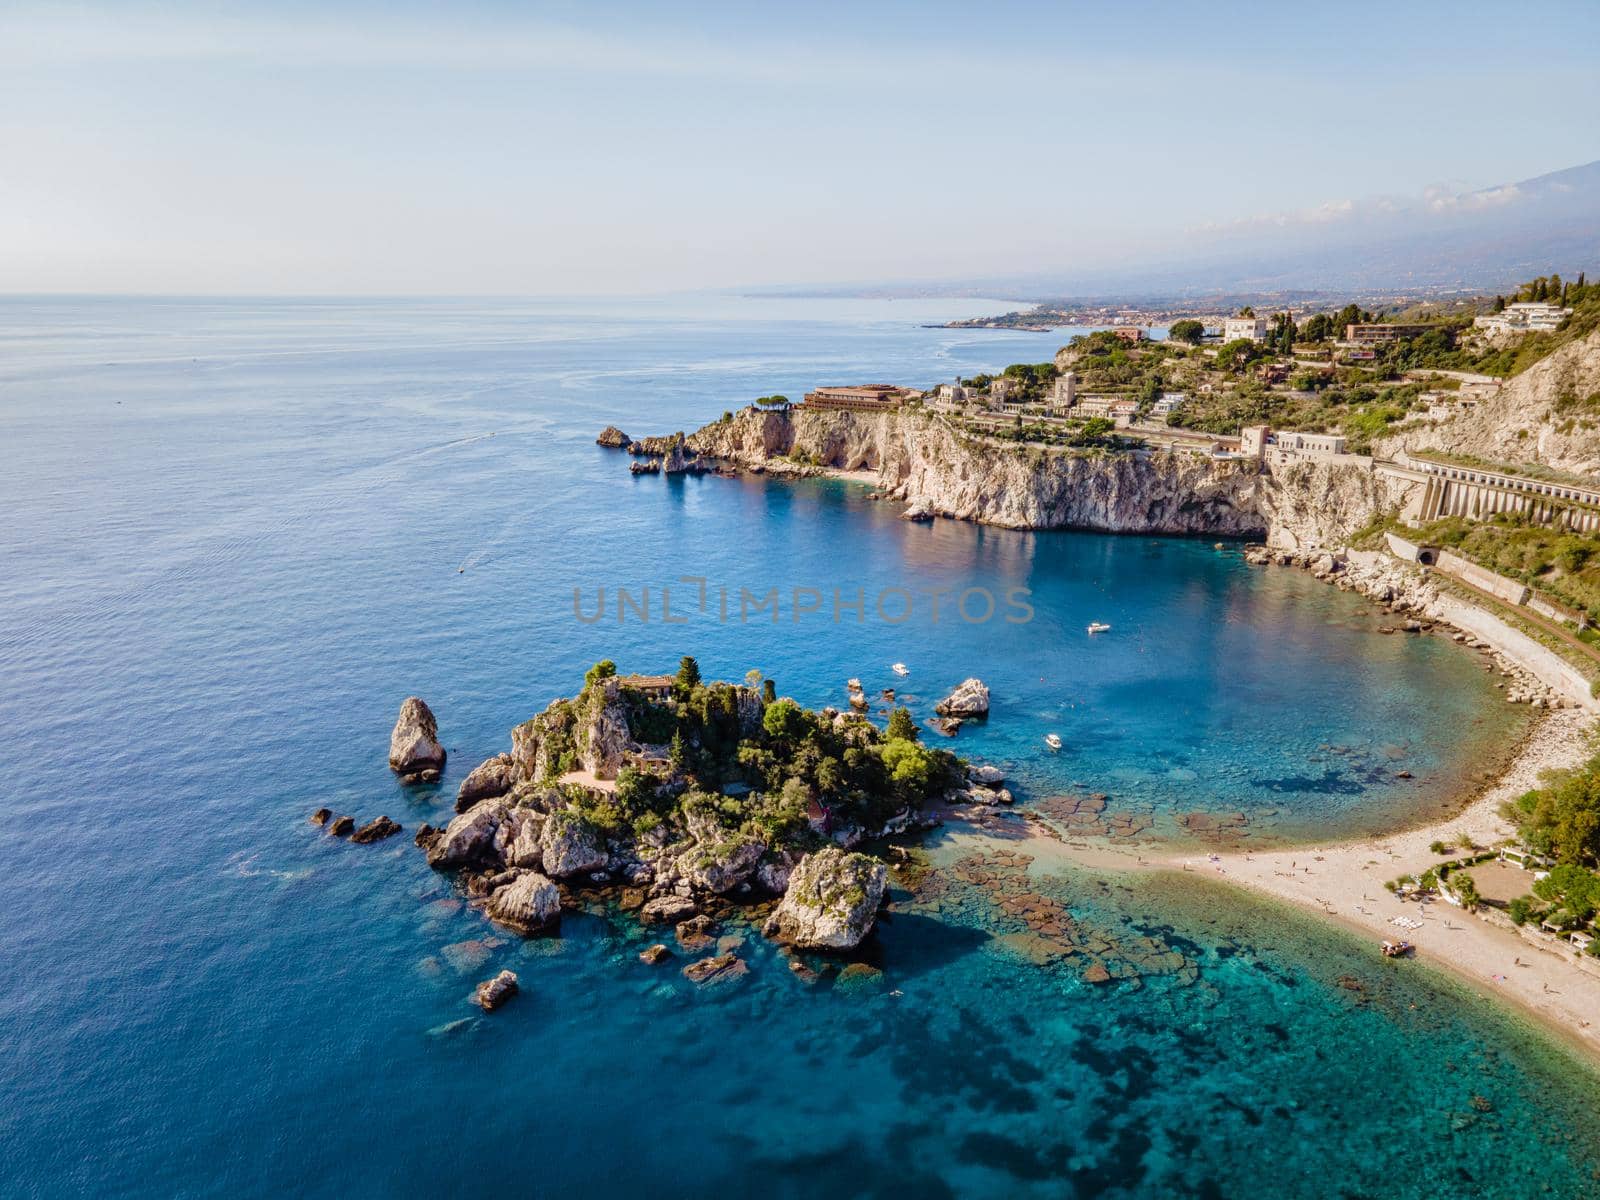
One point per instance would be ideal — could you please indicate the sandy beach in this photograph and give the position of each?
(1344, 882)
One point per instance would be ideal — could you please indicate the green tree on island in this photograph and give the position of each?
(604, 669)
(688, 677)
(901, 725)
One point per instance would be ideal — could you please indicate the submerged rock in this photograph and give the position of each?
(986, 775)
(970, 699)
(414, 747)
(375, 831)
(492, 993)
(655, 954)
(527, 904)
(720, 969)
(831, 902)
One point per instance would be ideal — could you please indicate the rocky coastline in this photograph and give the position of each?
(921, 459)
(1417, 602)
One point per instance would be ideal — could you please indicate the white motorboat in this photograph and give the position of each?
(900, 669)
(1098, 627)
(1053, 741)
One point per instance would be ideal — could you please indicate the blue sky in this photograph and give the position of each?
(556, 148)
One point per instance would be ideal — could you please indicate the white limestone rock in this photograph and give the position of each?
(527, 904)
(970, 699)
(414, 745)
(469, 839)
(571, 846)
(489, 779)
(492, 993)
(722, 866)
(831, 902)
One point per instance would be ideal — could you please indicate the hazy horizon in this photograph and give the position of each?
(551, 150)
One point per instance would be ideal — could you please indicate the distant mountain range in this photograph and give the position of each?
(1442, 240)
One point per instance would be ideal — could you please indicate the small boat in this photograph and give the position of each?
(1053, 741)
(900, 669)
(1393, 949)
(1098, 627)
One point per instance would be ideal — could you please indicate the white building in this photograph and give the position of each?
(1168, 402)
(1258, 441)
(949, 395)
(1524, 318)
(1309, 445)
(1251, 328)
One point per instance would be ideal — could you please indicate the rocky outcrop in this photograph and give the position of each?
(571, 846)
(602, 734)
(668, 456)
(1549, 414)
(342, 826)
(721, 867)
(492, 993)
(969, 699)
(832, 901)
(376, 831)
(487, 781)
(613, 438)
(322, 816)
(414, 750)
(667, 910)
(469, 840)
(528, 904)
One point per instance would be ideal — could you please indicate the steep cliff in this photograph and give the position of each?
(920, 458)
(923, 460)
(1549, 414)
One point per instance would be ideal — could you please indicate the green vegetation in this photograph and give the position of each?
(1300, 377)
(772, 401)
(778, 756)
(1562, 820)
(1564, 564)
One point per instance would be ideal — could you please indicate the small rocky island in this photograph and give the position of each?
(681, 799)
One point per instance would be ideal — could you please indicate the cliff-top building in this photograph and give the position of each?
(866, 397)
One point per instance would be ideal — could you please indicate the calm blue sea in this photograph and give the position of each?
(238, 533)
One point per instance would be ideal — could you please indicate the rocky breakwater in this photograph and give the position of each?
(683, 808)
(1417, 602)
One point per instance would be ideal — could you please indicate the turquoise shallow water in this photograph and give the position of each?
(238, 533)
